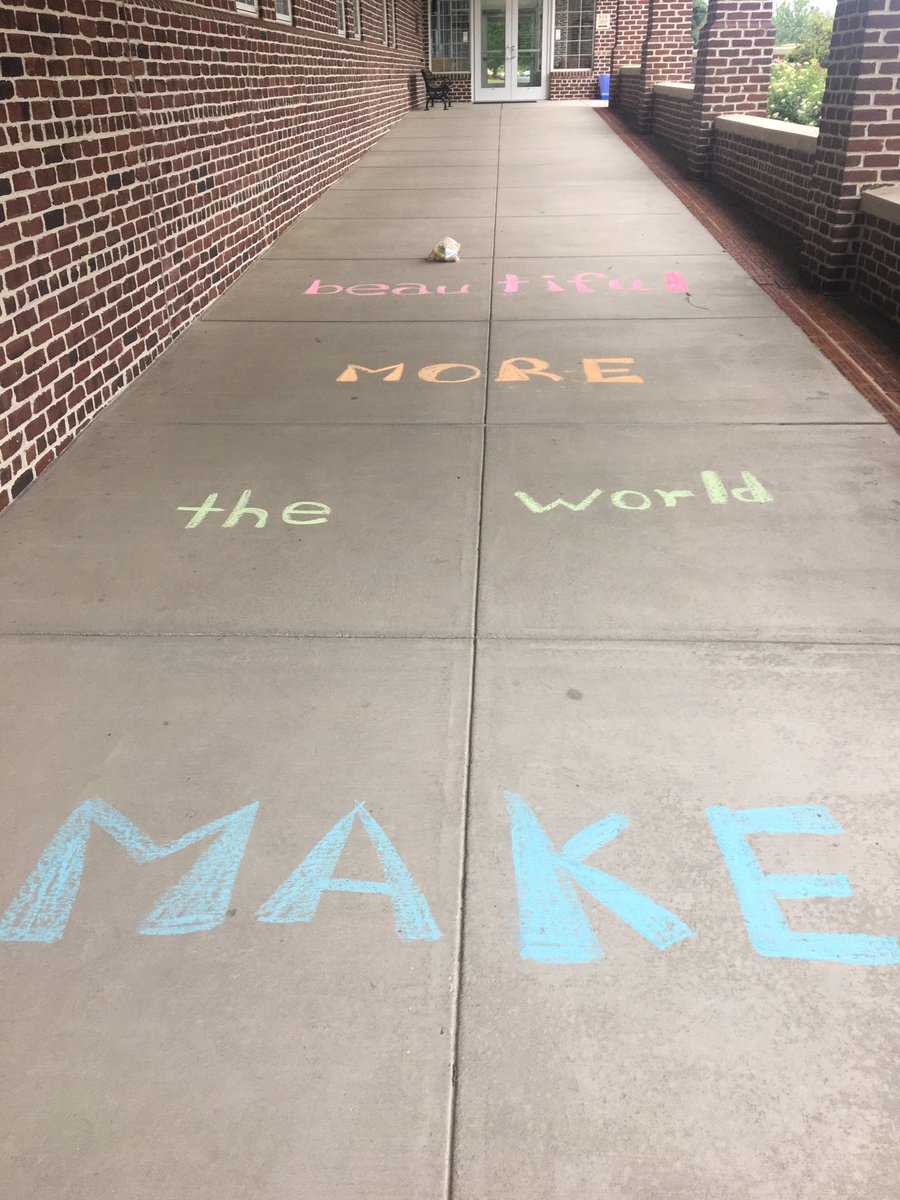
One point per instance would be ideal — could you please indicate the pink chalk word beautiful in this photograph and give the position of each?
(585, 283)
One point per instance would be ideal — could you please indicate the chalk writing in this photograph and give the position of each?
(553, 926)
(758, 893)
(298, 897)
(585, 283)
(302, 512)
(391, 374)
(511, 370)
(318, 288)
(198, 902)
(753, 492)
(676, 282)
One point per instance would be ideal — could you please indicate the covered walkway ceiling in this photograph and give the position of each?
(581, 525)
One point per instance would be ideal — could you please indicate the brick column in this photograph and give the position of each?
(630, 34)
(859, 134)
(668, 55)
(732, 72)
(605, 39)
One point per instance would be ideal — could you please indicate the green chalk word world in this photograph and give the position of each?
(712, 486)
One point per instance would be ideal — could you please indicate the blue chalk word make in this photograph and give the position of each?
(552, 884)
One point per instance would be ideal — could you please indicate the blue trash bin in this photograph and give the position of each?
(604, 87)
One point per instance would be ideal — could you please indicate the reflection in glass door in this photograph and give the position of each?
(494, 47)
(510, 50)
(530, 48)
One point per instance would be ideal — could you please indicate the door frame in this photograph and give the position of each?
(510, 94)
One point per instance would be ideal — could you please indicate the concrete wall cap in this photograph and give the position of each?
(882, 202)
(629, 70)
(776, 133)
(684, 91)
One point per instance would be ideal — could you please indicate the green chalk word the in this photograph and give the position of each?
(301, 512)
(712, 486)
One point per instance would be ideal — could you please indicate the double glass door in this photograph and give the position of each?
(510, 49)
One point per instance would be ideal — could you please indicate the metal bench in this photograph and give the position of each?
(436, 89)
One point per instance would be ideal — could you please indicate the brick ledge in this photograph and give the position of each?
(684, 91)
(776, 133)
(883, 202)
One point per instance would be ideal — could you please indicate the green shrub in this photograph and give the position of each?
(795, 93)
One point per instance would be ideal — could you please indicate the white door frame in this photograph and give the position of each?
(511, 93)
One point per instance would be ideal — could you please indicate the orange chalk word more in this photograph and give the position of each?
(511, 370)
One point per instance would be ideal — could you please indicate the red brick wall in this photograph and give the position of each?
(668, 55)
(460, 87)
(605, 39)
(734, 66)
(672, 119)
(774, 180)
(147, 155)
(859, 133)
(630, 24)
(629, 96)
(585, 84)
(573, 85)
(878, 266)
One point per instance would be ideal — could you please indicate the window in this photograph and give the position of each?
(247, 6)
(357, 19)
(573, 34)
(283, 11)
(450, 35)
(342, 17)
(389, 18)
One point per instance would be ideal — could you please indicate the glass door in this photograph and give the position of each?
(510, 50)
(529, 50)
(494, 52)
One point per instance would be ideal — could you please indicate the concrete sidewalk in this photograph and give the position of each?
(444, 564)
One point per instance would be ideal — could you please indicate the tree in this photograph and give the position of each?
(795, 93)
(815, 44)
(698, 19)
(791, 18)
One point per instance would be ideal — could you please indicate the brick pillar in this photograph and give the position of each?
(668, 55)
(859, 134)
(731, 75)
(605, 39)
(631, 33)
